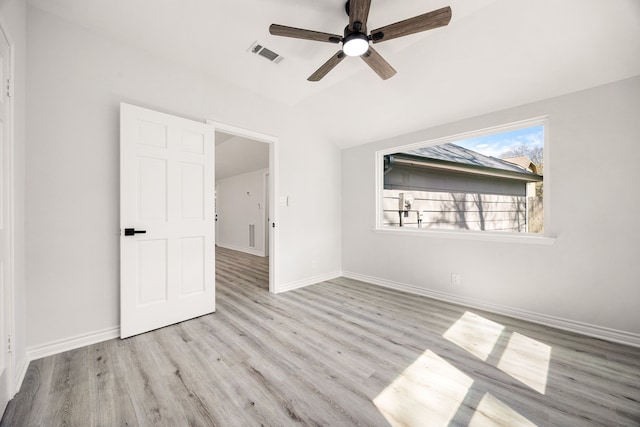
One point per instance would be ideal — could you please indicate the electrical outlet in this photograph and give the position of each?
(455, 279)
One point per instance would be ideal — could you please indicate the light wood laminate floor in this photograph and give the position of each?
(338, 353)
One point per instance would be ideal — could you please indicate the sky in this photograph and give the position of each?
(496, 144)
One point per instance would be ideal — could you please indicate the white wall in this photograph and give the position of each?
(316, 248)
(14, 16)
(240, 201)
(76, 81)
(591, 275)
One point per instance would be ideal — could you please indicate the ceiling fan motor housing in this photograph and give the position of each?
(354, 43)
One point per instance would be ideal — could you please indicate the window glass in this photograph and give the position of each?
(491, 182)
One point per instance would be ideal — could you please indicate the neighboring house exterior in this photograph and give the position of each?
(451, 187)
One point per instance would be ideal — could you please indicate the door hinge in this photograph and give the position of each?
(9, 88)
(9, 344)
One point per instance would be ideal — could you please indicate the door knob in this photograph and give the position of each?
(132, 231)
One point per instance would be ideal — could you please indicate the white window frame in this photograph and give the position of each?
(544, 238)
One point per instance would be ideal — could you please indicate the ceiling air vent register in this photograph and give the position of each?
(257, 49)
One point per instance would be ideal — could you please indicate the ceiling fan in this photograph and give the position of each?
(356, 42)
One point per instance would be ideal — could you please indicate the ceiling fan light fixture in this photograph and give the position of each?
(355, 44)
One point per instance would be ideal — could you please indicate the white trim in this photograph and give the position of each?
(274, 194)
(547, 174)
(266, 233)
(245, 133)
(72, 343)
(10, 286)
(21, 372)
(544, 238)
(492, 236)
(608, 334)
(249, 251)
(308, 282)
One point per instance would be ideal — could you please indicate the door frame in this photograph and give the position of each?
(9, 308)
(273, 191)
(266, 219)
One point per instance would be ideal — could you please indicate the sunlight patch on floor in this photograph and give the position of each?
(526, 360)
(493, 412)
(427, 393)
(475, 334)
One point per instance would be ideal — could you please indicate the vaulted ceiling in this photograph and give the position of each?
(236, 155)
(494, 54)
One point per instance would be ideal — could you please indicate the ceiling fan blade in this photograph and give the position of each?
(378, 64)
(427, 21)
(327, 66)
(358, 12)
(299, 33)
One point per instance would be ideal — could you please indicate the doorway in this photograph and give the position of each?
(245, 191)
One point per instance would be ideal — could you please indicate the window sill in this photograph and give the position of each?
(486, 236)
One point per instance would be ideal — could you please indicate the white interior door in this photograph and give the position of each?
(5, 238)
(167, 256)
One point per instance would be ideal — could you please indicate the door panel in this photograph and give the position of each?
(152, 194)
(193, 196)
(192, 256)
(166, 190)
(152, 272)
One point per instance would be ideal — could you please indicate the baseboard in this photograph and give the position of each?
(71, 343)
(307, 282)
(20, 372)
(241, 249)
(607, 334)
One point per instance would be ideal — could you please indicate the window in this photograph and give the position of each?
(489, 181)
